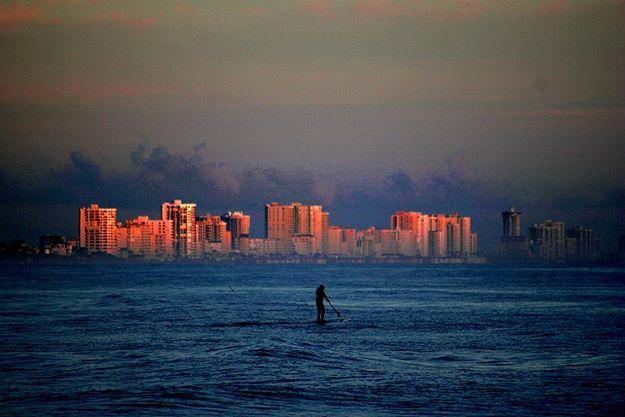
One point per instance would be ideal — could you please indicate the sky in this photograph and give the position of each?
(364, 106)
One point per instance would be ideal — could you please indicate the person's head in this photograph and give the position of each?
(322, 287)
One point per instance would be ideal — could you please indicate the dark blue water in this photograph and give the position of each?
(198, 340)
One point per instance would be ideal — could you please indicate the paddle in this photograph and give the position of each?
(335, 310)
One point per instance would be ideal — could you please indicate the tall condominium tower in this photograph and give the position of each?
(341, 241)
(465, 236)
(137, 237)
(514, 246)
(182, 216)
(547, 240)
(455, 232)
(238, 224)
(279, 226)
(212, 235)
(98, 231)
(308, 223)
(511, 223)
(325, 231)
(418, 224)
(580, 244)
(405, 220)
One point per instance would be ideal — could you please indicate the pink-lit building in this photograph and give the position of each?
(437, 244)
(98, 229)
(285, 222)
(418, 224)
(162, 230)
(325, 227)
(238, 224)
(144, 237)
(279, 226)
(182, 216)
(305, 245)
(309, 221)
(452, 245)
(258, 247)
(465, 237)
(473, 245)
(452, 240)
(341, 241)
(213, 235)
(367, 243)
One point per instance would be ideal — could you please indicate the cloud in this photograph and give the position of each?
(121, 18)
(582, 113)
(184, 9)
(320, 8)
(557, 7)
(253, 11)
(11, 91)
(16, 13)
(381, 9)
(370, 10)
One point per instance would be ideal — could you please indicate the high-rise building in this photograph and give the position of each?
(511, 222)
(473, 245)
(98, 231)
(145, 237)
(284, 222)
(366, 243)
(465, 236)
(438, 223)
(514, 246)
(279, 226)
(238, 224)
(258, 247)
(437, 244)
(213, 235)
(453, 243)
(182, 216)
(454, 229)
(547, 240)
(580, 244)
(163, 238)
(304, 245)
(308, 221)
(136, 237)
(341, 241)
(410, 222)
(405, 220)
(423, 236)
(325, 227)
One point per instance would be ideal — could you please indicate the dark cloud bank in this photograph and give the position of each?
(157, 175)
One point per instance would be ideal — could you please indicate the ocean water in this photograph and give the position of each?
(183, 340)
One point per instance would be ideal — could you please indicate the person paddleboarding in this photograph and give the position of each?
(321, 309)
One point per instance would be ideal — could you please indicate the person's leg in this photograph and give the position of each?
(323, 312)
(318, 313)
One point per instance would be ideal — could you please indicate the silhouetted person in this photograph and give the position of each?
(321, 309)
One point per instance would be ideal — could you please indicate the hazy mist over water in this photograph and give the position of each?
(176, 340)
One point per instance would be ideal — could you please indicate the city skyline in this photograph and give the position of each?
(290, 229)
(403, 103)
(491, 244)
(305, 230)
